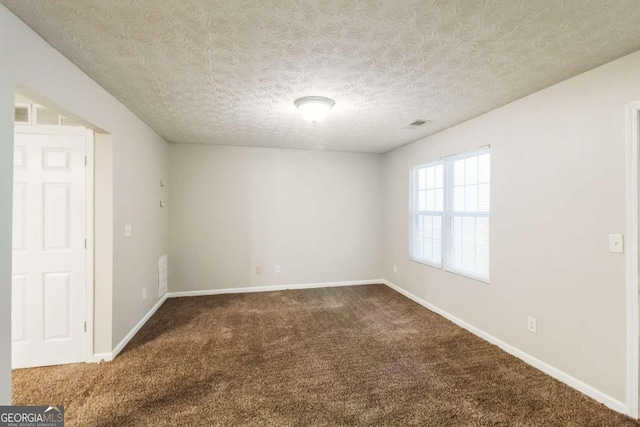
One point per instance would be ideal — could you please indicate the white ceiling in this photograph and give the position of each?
(227, 72)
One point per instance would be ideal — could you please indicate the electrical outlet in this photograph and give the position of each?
(395, 268)
(532, 324)
(144, 293)
(258, 270)
(276, 269)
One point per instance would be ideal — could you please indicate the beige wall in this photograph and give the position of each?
(6, 187)
(103, 243)
(558, 190)
(316, 214)
(140, 160)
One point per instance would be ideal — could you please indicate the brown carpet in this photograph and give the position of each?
(362, 355)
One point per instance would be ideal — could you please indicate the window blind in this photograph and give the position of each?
(450, 207)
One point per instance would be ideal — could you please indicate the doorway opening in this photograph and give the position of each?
(52, 245)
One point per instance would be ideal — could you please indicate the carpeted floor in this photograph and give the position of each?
(362, 355)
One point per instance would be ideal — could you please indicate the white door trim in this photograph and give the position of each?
(89, 279)
(89, 282)
(632, 264)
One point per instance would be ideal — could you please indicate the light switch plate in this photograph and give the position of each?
(616, 243)
(128, 230)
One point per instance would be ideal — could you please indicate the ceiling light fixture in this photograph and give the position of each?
(314, 108)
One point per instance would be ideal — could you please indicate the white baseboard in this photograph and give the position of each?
(107, 357)
(271, 288)
(102, 357)
(121, 345)
(556, 373)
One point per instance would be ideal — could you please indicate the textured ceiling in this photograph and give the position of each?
(227, 72)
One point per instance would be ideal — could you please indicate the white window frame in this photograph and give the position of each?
(447, 213)
(415, 214)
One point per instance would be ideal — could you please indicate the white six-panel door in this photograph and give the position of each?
(49, 223)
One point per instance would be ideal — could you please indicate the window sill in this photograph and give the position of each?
(457, 273)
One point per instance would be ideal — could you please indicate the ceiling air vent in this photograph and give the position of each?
(416, 124)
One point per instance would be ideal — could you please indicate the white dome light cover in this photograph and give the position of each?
(314, 108)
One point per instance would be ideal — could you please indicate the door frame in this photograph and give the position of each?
(632, 262)
(89, 235)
